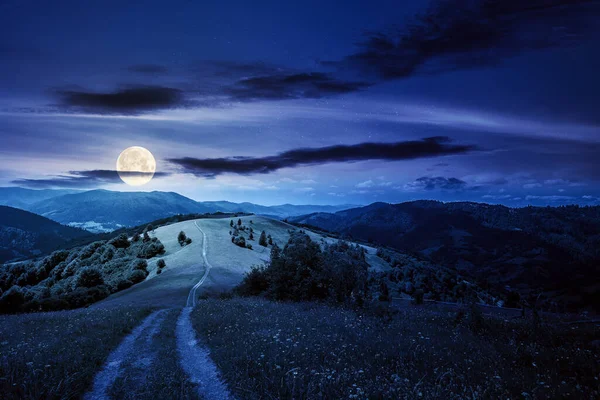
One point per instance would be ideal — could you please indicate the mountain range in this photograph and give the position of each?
(103, 210)
(25, 235)
(530, 250)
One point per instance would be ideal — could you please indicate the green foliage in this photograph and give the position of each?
(303, 272)
(89, 277)
(77, 277)
(239, 241)
(161, 263)
(181, 238)
(137, 276)
(263, 239)
(418, 296)
(120, 242)
(141, 265)
(12, 300)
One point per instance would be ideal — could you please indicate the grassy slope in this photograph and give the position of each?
(57, 354)
(284, 350)
(183, 269)
(229, 262)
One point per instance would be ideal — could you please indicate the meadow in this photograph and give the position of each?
(55, 355)
(276, 350)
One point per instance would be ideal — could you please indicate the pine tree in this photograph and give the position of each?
(263, 239)
(239, 222)
(231, 223)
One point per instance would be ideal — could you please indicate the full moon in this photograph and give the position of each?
(136, 166)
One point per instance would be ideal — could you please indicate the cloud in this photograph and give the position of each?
(311, 85)
(553, 199)
(429, 147)
(151, 69)
(454, 34)
(132, 100)
(436, 183)
(82, 179)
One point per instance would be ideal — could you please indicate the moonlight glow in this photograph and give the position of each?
(136, 166)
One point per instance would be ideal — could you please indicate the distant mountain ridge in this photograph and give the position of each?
(22, 198)
(555, 250)
(25, 235)
(103, 210)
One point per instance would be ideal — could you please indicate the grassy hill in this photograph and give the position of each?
(25, 235)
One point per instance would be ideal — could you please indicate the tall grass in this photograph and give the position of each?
(311, 351)
(55, 355)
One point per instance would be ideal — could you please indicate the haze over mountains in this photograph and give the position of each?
(103, 210)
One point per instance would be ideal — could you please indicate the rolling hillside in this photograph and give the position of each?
(532, 249)
(26, 235)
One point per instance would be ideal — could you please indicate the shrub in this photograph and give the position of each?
(231, 223)
(181, 238)
(255, 282)
(161, 264)
(89, 277)
(251, 237)
(124, 284)
(239, 222)
(120, 242)
(239, 241)
(150, 249)
(158, 271)
(137, 276)
(12, 300)
(384, 292)
(188, 241)
(146, 237)
(418, 296)
(141, 265)
(249, 246)
(263, 239)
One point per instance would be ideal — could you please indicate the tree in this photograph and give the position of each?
(149, 228)
(251, 237)
(12, 300)
(418, 296)
(136, 237)
(146, 237)
(181, 238)
(89, 277)
(263, 239)
(239, 222)
(161, 263)
(384, 292)
(231, 223)
(270, 240)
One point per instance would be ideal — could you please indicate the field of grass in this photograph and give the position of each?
(56, 354)
(307, 350)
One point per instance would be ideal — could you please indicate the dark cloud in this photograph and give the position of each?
(436, 183)
(290, 86)
(82, 179)
(126, 101)
(458, 34)
(429, 147)
(151, 69)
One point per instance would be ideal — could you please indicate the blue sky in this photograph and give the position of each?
(306, 102)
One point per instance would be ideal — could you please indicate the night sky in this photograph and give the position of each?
(308, 102)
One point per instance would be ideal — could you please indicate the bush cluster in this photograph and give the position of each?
(303, 271)
(78, 277)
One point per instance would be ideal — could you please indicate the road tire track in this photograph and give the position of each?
(112, 368)
(193, 356)
(192, 297)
